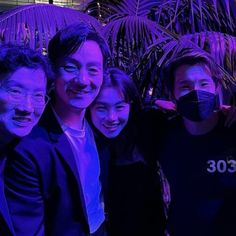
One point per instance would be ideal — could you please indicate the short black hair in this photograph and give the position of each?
(14, 57)
(69, 39)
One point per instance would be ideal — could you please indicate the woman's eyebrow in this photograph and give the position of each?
(120, 102)
(100, 103)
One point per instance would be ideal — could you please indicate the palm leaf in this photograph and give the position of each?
(132, 8)
(34, 25)
(222, 48)
(182, 16)
(129, 31)
(130, 36)
(110, 9)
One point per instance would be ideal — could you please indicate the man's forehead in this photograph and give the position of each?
(88, 47)
(88, 50)
(187, 70)
(24, 75)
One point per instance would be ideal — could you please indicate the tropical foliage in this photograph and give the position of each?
(34, 25)
(142, 34)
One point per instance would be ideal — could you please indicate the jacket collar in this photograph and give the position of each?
(63, 149)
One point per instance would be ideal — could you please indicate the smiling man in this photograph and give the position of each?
(23, 79)
(55, 189)
(22, 100)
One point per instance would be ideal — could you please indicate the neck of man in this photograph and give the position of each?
(74, 118)
(202, 127)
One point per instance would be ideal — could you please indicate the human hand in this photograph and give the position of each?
(230, 113)
(165, 105)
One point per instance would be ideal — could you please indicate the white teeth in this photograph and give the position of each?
(79, 91)
(22, 119)
(111, 126)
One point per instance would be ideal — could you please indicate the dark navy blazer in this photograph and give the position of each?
(6, 227)
(43, 187)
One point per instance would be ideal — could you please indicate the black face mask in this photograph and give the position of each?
(197, 105)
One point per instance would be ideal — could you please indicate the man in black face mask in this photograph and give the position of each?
(198, 154)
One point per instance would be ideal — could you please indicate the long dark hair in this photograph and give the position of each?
(123, 146)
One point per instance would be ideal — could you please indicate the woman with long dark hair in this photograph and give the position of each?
(131, 183)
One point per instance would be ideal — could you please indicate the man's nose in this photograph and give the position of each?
(196, 87)
(81, 78)
(26, 105)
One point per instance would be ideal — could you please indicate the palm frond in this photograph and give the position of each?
(182, 16)
(135, 7)
(34, 25)
(222, 48)
(130, 36)
(110, 10)
(129, 31)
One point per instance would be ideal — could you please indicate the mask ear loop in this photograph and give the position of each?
(218, 98)
(217, 103)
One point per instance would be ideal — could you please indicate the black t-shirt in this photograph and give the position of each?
(151, 128)
(201, 170)
(131, 185)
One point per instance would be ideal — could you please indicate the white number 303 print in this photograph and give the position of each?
(221, 166)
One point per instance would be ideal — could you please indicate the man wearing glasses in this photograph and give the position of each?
(55, 189)
(23, 78)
